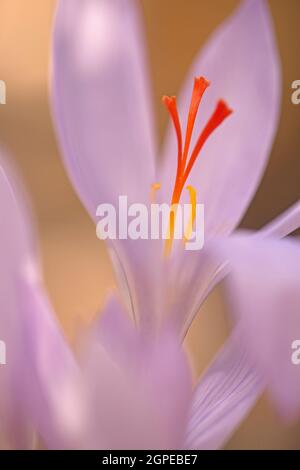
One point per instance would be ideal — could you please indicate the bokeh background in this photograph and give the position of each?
(77, 269)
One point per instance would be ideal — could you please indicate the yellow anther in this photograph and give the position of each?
(171, 230)
(193, 203)
(154, 188)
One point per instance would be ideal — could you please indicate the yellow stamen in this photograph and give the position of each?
(154, 188)
(193, 202)
(171, 230)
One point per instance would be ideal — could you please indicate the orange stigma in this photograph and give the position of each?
(185, 162)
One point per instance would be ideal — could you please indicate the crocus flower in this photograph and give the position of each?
(102, 111)
(130, 386)
(103, 115)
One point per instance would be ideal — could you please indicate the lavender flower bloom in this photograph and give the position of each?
(130, 386)
(100, 91)
(103, 117)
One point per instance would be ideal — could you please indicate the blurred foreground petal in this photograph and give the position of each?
(139, 401)
(223, 397)
(263, 291)
(51, 385)
(16, 245)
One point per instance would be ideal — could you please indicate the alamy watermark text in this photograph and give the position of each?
(140, 221)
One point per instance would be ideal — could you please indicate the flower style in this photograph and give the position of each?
(130, 386)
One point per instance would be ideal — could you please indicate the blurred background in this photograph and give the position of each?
(77, 269)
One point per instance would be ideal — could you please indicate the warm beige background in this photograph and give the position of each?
(77, 269)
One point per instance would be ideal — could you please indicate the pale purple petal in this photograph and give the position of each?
(223, 397)
(166, 289)
(37, 356)
(162, 289)
(241, 61)
(101, 100)
(194, 275)
(264, 295)
(16, 245)
(140, 269)
(51, 382)
(188, 280)
(138, 401)
(284, 224)
(116, 332)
